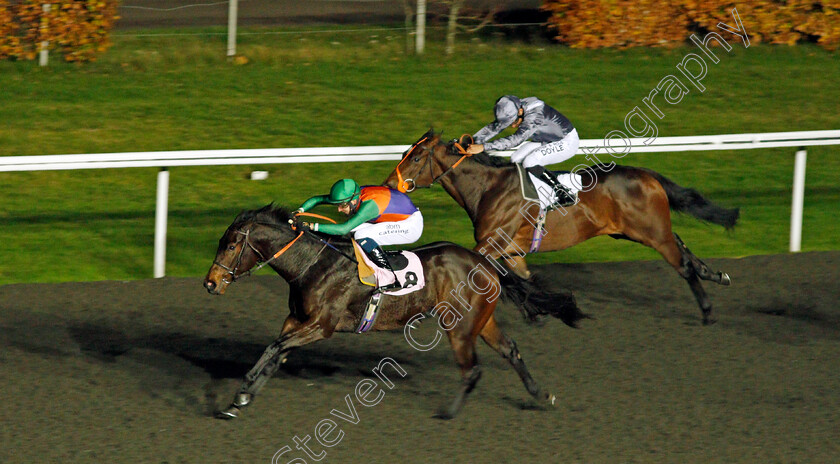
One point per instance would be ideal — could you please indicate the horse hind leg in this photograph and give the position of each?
(702, 269)
(671, 250)
(464, 348)
(506, 347)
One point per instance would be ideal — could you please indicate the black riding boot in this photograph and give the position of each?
(564, 195)
(377, 255)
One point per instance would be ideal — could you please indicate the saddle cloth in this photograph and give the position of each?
(406, 265)
(534, 189)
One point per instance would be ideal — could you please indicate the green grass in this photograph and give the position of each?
(340, 88)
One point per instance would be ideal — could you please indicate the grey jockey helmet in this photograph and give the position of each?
(507, 110)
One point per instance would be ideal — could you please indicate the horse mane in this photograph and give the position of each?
(482, 158)
(269, 214)
(279, 216)
(491, 161)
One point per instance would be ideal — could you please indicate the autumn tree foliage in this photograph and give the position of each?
(78, 30)
(631, 23)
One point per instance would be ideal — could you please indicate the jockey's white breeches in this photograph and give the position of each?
(402, 232)
(539, 154)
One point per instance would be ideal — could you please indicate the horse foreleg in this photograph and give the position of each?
(293, 336)
(519, 266)
(514, 260)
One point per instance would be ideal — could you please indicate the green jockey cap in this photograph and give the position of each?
(344, 191)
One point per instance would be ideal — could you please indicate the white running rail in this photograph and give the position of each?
(168, 159)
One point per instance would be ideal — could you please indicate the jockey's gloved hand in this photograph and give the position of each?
(309, 225)
(297, 224)
(475, 149)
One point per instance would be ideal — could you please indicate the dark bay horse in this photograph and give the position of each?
(621, 201)
(326, 296)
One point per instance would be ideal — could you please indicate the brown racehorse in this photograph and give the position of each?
(621, 201)
(326, 296)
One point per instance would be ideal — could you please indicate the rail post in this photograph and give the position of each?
(161, 211)
(420, 40)
(798, 201)
(233, 11)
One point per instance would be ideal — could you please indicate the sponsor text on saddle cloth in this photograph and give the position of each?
(537, 190)
(406, 265)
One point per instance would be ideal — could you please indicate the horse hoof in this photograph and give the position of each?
(552, 400)
(724, 279)
(230, 413)
(443, 415)
(709, 321)
(242, 400)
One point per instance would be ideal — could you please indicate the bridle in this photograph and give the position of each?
(232, 271)
(261, 261)
(403, 184)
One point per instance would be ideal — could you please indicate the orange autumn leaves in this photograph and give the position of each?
(632, 23)
(77, 30)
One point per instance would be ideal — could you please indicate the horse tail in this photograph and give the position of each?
(688, 200)
(533, 302)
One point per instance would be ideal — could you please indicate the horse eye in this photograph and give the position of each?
(416, 159)
(232, 247)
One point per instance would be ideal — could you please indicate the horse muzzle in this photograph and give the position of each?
(407, 186)
(213, 288)
(215, 285)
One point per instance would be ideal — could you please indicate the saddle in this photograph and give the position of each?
(535, 190)
(409, 271)
(529, 192)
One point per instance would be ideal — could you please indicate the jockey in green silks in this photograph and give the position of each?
(378, 216)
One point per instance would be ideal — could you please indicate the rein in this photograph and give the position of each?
(325, 242)
(404, 184)
(264, 262)
(461, 151)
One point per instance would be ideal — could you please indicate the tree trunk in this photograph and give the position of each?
(452, 27)
(409, 22)
(421, 26)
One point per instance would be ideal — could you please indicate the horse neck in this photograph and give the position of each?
(298, 259)
(471, 180)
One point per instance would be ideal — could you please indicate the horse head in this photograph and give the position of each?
(418, 164)
(246, 243)
(427, 161)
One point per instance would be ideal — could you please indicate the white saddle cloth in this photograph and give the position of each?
(411, 277)
(547, 195)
